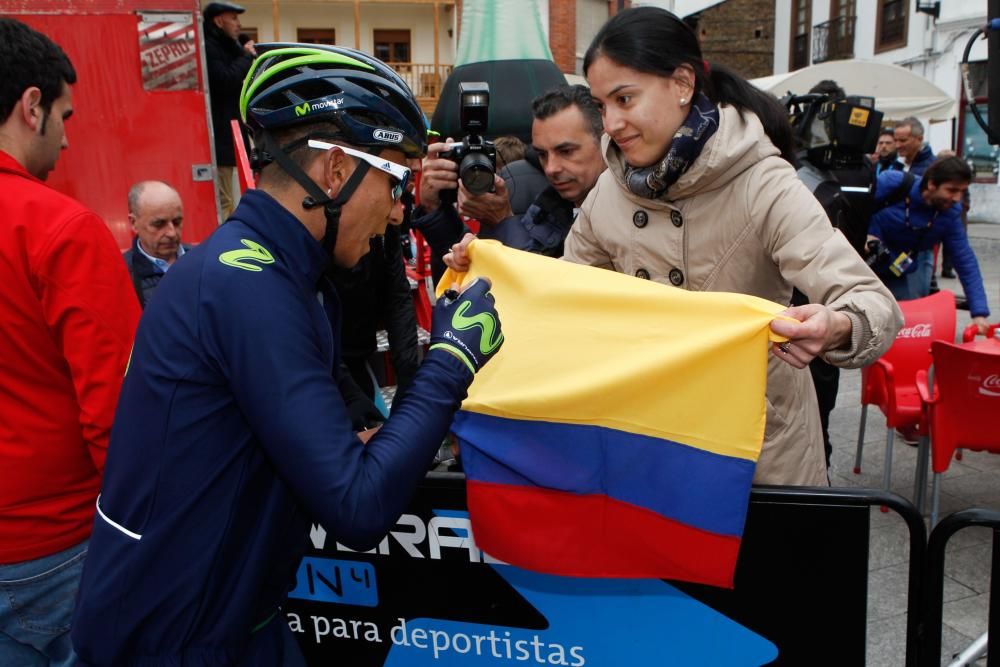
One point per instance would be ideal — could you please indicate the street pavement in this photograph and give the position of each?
(972, 482)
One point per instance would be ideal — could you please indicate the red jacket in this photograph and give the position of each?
(67, 316)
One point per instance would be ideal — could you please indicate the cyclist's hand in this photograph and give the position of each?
(466, 324)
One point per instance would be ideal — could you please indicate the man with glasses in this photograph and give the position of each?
(231, 437)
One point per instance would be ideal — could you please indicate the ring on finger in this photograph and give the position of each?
(784, 347)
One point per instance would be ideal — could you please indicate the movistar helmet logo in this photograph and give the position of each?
(324, 105)
(255, 252)
(490, 339)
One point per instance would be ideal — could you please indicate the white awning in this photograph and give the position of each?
(898, 92)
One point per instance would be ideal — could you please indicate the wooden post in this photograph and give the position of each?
(357, 24)
(276, 19)
(437, 33)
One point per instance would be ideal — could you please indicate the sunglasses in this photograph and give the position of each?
(396, 171)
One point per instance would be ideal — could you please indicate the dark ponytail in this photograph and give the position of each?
(724, 86)
(654, 41)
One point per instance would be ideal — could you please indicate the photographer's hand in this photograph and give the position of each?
(489, 208)
(458, 258)
(438, 174)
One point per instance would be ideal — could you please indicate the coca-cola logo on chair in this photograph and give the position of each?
(915, 331)
(990, 386)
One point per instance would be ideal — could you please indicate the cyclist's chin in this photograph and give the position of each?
(348, 257)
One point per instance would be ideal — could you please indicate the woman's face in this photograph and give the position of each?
(641, 111)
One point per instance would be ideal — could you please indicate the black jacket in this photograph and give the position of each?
(376, 294)
(145, 275)
(228, 65)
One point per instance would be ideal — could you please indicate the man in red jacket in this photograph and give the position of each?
(67, 317)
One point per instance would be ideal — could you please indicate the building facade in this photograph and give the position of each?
(739, 34)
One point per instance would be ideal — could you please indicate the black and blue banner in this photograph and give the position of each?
(428, 596)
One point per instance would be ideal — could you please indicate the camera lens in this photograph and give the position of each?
(476, 172)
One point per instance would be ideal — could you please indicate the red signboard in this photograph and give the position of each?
(139, 104)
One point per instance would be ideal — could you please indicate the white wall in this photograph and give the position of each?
(590, 16)
(782, 34)
(418, 19)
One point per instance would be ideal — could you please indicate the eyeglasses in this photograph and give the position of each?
(397, 171)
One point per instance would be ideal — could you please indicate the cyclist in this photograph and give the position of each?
(231, 437)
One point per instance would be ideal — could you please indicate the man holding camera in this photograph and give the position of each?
(566, 134)
(917, 214)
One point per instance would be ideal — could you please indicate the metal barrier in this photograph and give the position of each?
(918, 540)
(930, 650)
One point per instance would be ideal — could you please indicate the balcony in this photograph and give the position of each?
(425, 80)
(834, 40)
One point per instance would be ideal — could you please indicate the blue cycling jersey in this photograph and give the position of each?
(230, 439)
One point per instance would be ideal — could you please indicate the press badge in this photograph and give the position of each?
(901, 264)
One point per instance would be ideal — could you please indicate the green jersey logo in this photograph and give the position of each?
(302, 109)
(255, 253)
(490, 339)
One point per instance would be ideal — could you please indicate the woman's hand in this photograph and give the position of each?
(818, 329)
(458, 258)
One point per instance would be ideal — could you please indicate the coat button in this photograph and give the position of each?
(676, 218)
(676, 277)
(642, 273)
(640, 219)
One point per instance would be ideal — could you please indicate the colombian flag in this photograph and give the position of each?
(616, 432)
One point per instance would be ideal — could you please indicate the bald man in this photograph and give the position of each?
(156, 214)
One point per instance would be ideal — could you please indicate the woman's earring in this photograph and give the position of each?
(683, 101)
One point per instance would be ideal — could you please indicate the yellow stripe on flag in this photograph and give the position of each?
(590, 346)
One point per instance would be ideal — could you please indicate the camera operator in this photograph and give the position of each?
(917, 214)
(566, 135)
(842, 180)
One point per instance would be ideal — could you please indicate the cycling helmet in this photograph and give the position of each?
(367, 104)
(366, 100)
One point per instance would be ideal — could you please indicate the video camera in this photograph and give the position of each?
(476, 158)
(836, 134)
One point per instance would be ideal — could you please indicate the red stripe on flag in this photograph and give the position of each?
(594, 536)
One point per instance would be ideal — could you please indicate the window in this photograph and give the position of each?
(834, 39)
(392, 46)
(801, 20)
(316, 36)
(841, 8)
(890, 27)
(973, 143)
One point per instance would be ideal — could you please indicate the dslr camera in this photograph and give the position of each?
(476, 158)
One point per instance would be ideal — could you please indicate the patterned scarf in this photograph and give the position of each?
(653, 181)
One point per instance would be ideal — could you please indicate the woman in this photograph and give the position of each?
(698, 195)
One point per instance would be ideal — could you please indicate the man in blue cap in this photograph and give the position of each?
(228, 64)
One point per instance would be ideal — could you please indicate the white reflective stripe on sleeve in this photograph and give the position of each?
(848, 188)
(134, 536)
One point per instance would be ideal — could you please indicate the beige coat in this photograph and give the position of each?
(740, 221)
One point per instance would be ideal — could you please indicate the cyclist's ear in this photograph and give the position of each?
(335, 167)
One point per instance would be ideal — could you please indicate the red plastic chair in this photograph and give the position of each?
(961, 405)
(890, 382)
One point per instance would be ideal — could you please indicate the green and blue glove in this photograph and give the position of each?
(467, 325)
